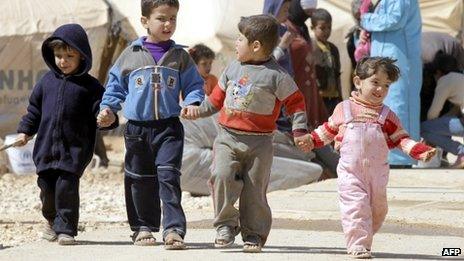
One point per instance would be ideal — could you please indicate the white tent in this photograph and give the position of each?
(24, 25)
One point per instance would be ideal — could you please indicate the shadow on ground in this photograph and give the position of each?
(335, 225)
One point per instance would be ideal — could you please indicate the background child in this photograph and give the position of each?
(149, 76)
(327, 60)
(62, 110)
(364, 130)
(203, 57)
(248, 96)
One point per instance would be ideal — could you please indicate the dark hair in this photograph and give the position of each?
(445, 63)
(262, 28)
(201, 51)
(320, 14)
(369, 66)
(148, 5)
(58, 44)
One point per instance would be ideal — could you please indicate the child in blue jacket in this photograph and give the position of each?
(149, 77)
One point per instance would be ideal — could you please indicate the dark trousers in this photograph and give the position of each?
(152, 173)
(59, 193)
(100, 149)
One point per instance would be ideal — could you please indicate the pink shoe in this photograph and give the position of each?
(459, 164)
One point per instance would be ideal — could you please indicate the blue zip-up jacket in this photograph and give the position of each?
(62, 108)
(151, 90)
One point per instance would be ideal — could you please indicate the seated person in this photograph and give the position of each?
(438, 130)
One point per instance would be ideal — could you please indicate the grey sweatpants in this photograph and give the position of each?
(241, 169)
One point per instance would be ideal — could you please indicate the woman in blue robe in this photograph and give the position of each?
(395, 29)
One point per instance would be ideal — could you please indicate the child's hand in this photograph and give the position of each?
(21, 140)
(428, 155)
(286, 39)
(363, 37)
(304, 143)
(105, 118)
(191, 112)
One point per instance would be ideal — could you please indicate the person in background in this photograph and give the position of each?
(203, 57)
(395, 28)
(295, 54)
(301, 52)
(326, 60)
(61, 111)
(439, 130)
(432, 43)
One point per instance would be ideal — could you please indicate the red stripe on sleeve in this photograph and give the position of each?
(217, 97)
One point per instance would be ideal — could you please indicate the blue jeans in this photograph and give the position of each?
(439, 131)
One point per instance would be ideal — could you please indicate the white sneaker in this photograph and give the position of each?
(65, 240)
(48, 233)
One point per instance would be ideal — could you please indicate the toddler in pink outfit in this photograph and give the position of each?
(364, 130)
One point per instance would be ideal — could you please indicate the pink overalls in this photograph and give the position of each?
(362, 179)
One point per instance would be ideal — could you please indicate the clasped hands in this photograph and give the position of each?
(190, 112)
(304, 143)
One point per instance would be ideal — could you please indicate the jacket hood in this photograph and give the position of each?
(272, 7)
(75, 36)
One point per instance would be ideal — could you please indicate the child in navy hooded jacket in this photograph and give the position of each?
(62, 112)
(149, 77)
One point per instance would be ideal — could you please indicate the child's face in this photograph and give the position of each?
(67, 60)
(161, 24)
(373, 89)
(282, 15)
(322, 30)
(204, 67)
(243, 49)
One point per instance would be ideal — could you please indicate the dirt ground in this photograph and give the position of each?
(424, 204)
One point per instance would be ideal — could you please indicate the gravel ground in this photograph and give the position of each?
(101, 194)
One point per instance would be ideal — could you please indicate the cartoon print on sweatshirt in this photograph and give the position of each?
(241, 93)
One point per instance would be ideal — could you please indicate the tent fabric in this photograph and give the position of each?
(28, 17)
(24, 26)
(198, 158)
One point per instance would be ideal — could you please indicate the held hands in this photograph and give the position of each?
(428, 155)
(105, 118)
(191, 112)
(304, 143)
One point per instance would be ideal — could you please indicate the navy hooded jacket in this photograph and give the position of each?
(62, 108)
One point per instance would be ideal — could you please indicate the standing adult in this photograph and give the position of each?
(301, 54)
(395, 28)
